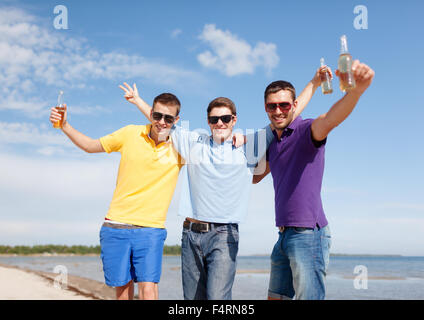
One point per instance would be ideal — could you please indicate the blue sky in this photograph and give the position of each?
(52, 192)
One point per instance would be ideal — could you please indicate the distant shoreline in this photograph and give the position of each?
(56, 250)
(11, 255)
(47, 254)
(342, 255)
(66, 250)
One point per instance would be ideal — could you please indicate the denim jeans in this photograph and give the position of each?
(208, 262)
(299, 263)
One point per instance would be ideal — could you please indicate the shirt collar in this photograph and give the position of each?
(216, 144)
(290, 128)
(145, 132)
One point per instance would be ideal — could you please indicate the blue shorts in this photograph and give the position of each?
(131, 254)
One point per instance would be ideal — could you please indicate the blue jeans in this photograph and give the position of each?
(299, 264)
(208, 262)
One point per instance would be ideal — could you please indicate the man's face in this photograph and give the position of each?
(221, 131)
(162, 127)
(281, 117)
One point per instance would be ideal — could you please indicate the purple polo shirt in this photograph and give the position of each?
(297, 167)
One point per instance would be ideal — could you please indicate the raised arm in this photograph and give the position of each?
(80, 140)
(326, 122)
(131, 94)
(307, 93)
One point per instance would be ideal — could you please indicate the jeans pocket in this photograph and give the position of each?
(184, 236)
(302, 230)
(228, 233)
(326, 245)
(326, 236)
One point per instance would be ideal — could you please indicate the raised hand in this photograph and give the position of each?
(317, 79)
(363, 75)
(56, 117)
(131, 94)
(239, 140)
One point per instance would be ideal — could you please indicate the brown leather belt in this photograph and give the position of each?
(281, 229)
(201, 226)
(121, 226)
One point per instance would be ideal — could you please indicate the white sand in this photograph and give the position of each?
(17, 284)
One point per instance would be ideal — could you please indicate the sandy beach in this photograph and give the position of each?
(23, 284)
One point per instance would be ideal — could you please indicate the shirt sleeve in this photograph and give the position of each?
(113, 142)
(182, 140)
(313, 144)
(257, 145)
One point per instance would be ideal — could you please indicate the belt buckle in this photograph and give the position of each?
(204, 224)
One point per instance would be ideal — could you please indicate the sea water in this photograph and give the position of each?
(349, 277)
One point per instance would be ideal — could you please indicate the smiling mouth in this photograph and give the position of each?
(160, 128)
(279, 119)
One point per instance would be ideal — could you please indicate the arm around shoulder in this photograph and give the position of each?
(261, 171)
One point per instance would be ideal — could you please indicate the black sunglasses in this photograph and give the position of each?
(225, 119)
(157, 116)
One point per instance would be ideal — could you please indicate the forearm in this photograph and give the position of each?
(81, 140)
(144, 107)
(322, 126)
(342, 109)
(261, 171)
(305, 96)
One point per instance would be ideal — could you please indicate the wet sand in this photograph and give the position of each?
(24, 284)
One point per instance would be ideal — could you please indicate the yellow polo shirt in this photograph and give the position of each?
(146, 179)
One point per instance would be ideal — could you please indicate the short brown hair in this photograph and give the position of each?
(168, 99)
(280, 85)
(222, 102)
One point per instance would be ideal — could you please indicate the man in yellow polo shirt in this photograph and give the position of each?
(133, 234)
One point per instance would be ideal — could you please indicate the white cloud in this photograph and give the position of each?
(375, 235)
(32, 55)
(28, 133)
(232, 55)
(56, 179)
(39, 231)
(82, 110)
(54, 200)
(175, 33)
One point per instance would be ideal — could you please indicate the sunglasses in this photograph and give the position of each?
(225, 119)
(157, 116)
(284, 106)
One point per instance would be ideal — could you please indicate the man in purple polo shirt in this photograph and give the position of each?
(296, 161)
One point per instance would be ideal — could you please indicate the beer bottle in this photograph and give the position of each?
(347, 80)
(326, 85)
(61, 108)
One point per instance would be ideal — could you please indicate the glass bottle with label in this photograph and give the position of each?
(347, 80)
(326, 85)
(61, 109)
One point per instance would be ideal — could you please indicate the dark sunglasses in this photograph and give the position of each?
(225, 119)
(157, 116)
(284, 106)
